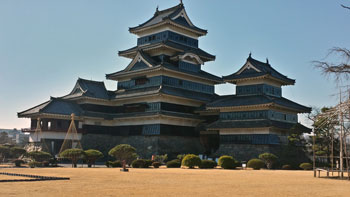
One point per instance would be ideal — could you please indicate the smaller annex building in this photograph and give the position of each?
(164, 103)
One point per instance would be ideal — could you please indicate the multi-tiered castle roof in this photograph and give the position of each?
(165, 103)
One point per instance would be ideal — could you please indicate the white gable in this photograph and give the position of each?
(246, 66)
(138, 58)
(183, 14)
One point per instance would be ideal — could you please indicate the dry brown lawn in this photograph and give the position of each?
(173, 182)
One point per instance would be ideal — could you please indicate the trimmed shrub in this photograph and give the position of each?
(161, 158)
(286, 167)
(34, 164)
(114, 164)
(268, 159)
(191, 161)
(227, 162)
(207, 164)
(124, 152)
(91, 156)
(39, 156)
(73, 154)
(156, 164)
(17, 152)
(256, 164)
(141, 163)
(18, 162)
(148, 163)
(176, 163)
(306, 166)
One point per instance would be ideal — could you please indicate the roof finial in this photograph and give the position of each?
(181, 2)
(157, 9)
(250, 55)
(267, 60)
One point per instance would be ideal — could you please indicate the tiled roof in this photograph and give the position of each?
(169, 91)
(200, 73)
(235, 101)
(167, 14)
(89, 88)
(188, 94)
(204, 55)
(54, 106)
(167, 65)
(58, 106)
(265, 69)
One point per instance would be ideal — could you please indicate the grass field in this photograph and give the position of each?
(173, 182)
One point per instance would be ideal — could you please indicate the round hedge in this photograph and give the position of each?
(256, 164)
(191, 161)
(227, 162)
(207, 164)
(306, 166)
(114, 164)
(176, 163)
(156, 164)
(140, 163)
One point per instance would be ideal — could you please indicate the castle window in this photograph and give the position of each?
(141, 81)
(59, 124)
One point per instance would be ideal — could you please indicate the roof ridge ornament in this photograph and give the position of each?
(181, 3)
(267, 61)
(250, 55)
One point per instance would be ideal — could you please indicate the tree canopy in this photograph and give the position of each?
(124, 152)
(73, 154)
(39, 156)
(92, 155)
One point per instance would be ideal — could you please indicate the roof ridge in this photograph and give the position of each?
(170, 9)
(88, 80)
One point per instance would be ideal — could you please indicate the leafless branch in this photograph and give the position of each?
(346, 7)
(340, 70)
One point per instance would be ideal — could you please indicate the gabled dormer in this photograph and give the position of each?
(174, 19)
(89, 88)
(141, 61)
(257, 72)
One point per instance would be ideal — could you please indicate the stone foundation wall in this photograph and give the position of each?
(245, 152)
(146, 145)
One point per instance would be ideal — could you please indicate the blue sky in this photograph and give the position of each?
(46, 45)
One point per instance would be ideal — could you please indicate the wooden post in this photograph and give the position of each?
(313, 153)
(341, 161)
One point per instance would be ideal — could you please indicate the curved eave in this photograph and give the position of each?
(199, 32)
(118, 75)
(266, 105)
(131, 53)
(49, 115)
(228, 79)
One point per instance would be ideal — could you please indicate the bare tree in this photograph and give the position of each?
(342, 68)
(346, 7)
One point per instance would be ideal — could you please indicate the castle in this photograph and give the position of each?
(165, 103)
